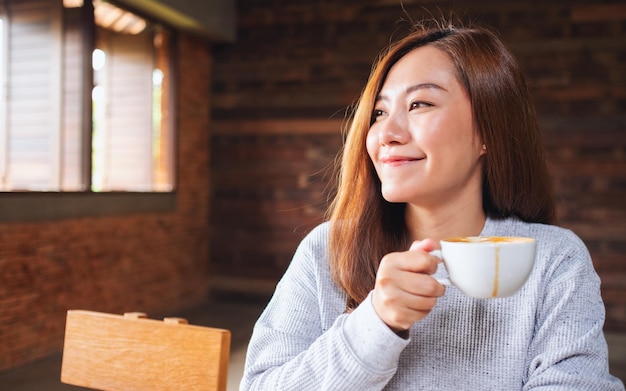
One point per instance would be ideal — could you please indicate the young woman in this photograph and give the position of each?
(444, 142)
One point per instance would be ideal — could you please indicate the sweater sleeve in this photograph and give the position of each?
(290, 350)
(568, 350)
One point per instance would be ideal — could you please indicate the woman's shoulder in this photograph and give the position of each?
(321, 229)
(513, 226)
(314, 246)
(309, 265)
(317, 237)
(557, 247)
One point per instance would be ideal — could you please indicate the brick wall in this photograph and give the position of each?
(270, 189)
(156, 263)
(281, 91)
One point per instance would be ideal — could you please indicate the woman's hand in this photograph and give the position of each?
(405, 292)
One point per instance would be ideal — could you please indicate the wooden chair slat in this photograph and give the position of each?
(132, 353)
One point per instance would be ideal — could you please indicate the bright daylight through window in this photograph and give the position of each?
(85, 99)
(2, 101)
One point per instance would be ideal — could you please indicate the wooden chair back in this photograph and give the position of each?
(132, 353)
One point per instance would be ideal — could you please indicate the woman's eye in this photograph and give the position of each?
(377, 113)
(417, 105)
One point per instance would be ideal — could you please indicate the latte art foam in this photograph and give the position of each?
(488, 239)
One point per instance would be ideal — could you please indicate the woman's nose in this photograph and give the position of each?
(393, 130)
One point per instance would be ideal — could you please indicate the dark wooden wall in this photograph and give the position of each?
(281, 91)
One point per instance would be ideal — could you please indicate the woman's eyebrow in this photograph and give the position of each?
(413, 88)
(423, 86)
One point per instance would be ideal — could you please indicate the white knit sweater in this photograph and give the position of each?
(547, 336)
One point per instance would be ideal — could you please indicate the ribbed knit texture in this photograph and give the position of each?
(547, 336)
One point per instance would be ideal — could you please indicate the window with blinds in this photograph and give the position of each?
(85, 89)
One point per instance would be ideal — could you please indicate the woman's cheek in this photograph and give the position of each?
(371, 143)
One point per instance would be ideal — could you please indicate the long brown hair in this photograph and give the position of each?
(516, 181)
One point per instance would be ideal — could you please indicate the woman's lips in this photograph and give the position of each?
(398, 160)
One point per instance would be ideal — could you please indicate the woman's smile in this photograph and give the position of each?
(395, 161)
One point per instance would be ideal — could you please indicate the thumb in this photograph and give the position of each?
(426, 245)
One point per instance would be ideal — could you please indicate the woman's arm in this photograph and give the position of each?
(290, 349)
(568, 351)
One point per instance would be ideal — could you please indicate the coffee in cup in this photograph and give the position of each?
(487, 266)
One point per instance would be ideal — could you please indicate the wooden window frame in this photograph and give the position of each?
(30, 206)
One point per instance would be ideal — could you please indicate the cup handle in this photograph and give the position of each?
(443, 280)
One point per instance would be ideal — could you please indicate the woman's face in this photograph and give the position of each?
(423, 142)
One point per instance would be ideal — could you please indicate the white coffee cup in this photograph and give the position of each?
(487, 266)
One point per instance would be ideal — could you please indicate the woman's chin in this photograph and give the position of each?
(393, 197)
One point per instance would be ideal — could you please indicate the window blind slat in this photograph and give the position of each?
(73, 133)
(129, 64)
(33, 94)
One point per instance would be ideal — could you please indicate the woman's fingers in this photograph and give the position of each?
(400, 309)
(416, 260)
(410, 273)
(405, 292)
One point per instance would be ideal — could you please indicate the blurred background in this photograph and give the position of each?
(157, 155)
